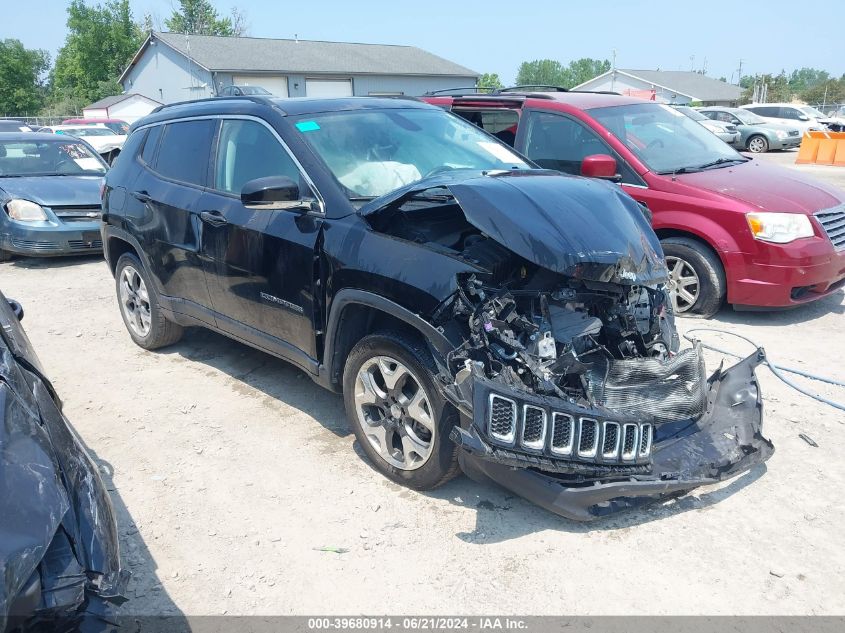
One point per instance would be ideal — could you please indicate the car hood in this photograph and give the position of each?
(767, 187)
(579, 227)
(49, 191)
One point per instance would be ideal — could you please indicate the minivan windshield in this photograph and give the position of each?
(665, 140)
(374, 152)
(812, 112)
(48, 158)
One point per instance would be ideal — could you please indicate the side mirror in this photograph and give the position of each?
(600, 166)
(16, 308)
(273, 192)
(803, 117)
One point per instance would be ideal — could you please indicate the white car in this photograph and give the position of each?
(803, 117)
(104, 140)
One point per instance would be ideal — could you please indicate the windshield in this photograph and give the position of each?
(48, 158)
(747, 116)
(118, 128)
(664, 139)
(812, 112)
(253, 90)
(695, 115)
(87, 131)
(374, 152)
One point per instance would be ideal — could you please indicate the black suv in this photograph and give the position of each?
(476, 312)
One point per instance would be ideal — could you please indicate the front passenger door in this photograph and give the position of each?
(258, 261)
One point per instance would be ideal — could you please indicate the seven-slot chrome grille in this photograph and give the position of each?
(533, 428)
(833, 223)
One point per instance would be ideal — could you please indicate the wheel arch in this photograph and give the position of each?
(356, 313)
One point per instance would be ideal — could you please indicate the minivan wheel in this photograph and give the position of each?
(758, 144)
(139, 306)
(397, 414)
(696, 277)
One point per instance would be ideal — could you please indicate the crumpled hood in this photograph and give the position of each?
(767, 187)
(55, 190)
(579, 227)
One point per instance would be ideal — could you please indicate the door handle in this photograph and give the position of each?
(143, 196)
(214, 218)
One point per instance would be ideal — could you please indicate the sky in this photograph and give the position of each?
(495, 36)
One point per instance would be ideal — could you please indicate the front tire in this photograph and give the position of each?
(758, 144)
(696, 277)
(139, 306)
(5, 256)
(399, 417)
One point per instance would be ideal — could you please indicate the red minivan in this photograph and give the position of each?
(732, 228)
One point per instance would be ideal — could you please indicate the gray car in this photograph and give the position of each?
(725, 131)
(49, 195)
(756, 134)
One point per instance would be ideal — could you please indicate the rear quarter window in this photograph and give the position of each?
(185, 150)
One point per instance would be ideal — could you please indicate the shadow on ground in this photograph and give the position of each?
(832, 304)
(500, 515)
(37, 263)
(147, 600)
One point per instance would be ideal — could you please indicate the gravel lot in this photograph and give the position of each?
(228, 468)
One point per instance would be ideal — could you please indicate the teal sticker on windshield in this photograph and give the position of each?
(307, 126)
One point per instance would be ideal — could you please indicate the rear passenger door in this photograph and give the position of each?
(259, 262)
(176, 157)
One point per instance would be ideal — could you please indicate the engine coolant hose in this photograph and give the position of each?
(777, 370)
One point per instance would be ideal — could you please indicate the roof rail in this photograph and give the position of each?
(524, 87)
(253, 98)
(473, 89)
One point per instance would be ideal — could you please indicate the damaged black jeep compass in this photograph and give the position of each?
(477, 313)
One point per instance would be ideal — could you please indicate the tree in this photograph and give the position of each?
(541, 72)
(806, 78)
(584, 69)
(828, 92)
(490, 81)
(199, 17)
(21, 72)
(100, 43)
(547, 72)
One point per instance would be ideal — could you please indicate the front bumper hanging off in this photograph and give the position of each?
(644, 461)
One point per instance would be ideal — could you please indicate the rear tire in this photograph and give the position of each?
(5, 256)
(398, 415)
(139, 306)
(757, 144)
(689, 259)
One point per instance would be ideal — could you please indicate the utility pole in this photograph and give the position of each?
(613, 71)
(739, 74)
(692, 62)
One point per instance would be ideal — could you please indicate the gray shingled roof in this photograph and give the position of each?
(689, 83)
(244, 54)
(107, 102)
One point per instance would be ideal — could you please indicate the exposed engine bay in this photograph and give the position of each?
(549, 334)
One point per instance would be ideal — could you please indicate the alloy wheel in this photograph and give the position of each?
(135, 301)
(394, 412)
(684, 284)
(757, 145)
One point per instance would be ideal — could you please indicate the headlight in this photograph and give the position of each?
(780, 228)
(25, 211)
(781, 134)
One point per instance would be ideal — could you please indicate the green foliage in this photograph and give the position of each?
(199, 17)
(830, 91)
(778, 87)
(548, 72)
(541, 72)
(805, 78)
(584, 69)
(490, 81)
(21, 70)
(100, 44)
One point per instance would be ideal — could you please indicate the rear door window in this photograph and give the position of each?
(151, 144)
(185, 150)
